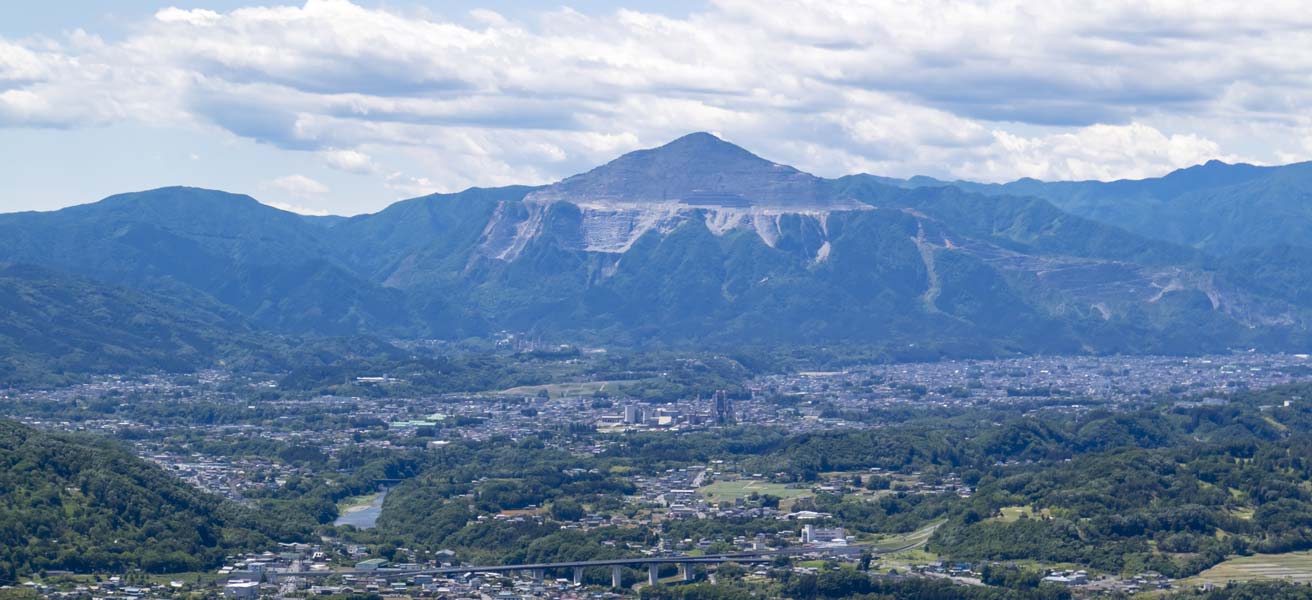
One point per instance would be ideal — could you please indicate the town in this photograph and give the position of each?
(226, 435)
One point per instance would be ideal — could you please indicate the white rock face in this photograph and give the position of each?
(613, 227)
(696, 177)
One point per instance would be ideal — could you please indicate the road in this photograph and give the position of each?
(741, 557)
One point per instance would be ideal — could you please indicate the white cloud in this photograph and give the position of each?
(1096, 152)
(298, 209)
(991, 90)
(351, 161)
(197, 16)
(488, 17)
(299, 185)
(410, 187)
(18, 64)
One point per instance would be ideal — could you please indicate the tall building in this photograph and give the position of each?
(632, 414)
(835, 536)
(722, 410)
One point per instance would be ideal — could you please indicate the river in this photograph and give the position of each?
(363, 517)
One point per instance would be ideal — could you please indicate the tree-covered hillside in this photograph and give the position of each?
(1216, 207)
(54, 327)
(83, 504)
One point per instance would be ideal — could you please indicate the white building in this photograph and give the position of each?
(241, 589)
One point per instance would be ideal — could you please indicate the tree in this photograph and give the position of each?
(567, 509)
(731, 570)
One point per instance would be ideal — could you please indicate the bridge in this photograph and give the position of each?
(538, 570)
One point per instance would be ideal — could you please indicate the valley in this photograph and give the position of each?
(642, 300)
(689, 370)
(414, 479)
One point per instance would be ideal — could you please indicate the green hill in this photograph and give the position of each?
(1215, 207)
(55, 326)
(83, 505)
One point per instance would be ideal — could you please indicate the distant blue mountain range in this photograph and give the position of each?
(700, 243)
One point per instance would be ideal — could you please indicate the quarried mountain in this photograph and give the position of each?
(698, 177)
(697, 242)
(698, 169)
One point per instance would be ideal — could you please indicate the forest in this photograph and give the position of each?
(82, 504)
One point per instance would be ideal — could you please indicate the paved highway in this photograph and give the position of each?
(741, 557)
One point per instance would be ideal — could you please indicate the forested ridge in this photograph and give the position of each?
(84, 504)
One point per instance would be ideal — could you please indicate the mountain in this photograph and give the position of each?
(275, 267)
(694, 243)
(53, 325)
(57, 328)
(82, 504)
(698, 169)
(1216, 207)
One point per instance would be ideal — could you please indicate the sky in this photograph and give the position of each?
(341, 107)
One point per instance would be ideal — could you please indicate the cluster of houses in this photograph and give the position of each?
(111, 588)
(1076, 579)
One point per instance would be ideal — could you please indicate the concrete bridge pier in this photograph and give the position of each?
(685, 572)
(539, 574)
(653, 574)
(616, 577)
(578, 575)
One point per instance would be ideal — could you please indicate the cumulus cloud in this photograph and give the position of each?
(298, 209)
(1096, 152)
(990, 90)
(408, 186)
(197, 16)
(351, 161)
(299, 185)
(20, 65)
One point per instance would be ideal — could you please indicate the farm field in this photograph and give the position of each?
(732, 490)
(566, 389)
(1011, 514)
(1292, 566)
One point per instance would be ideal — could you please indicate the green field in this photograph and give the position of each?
(907, 559)
(721, 491)
(905, 541)
(565, 389)
(1011, 514)
(1292, 566)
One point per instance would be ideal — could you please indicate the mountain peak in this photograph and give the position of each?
(698, 169)
(701, 144)
(177, 197)
(697, 152)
